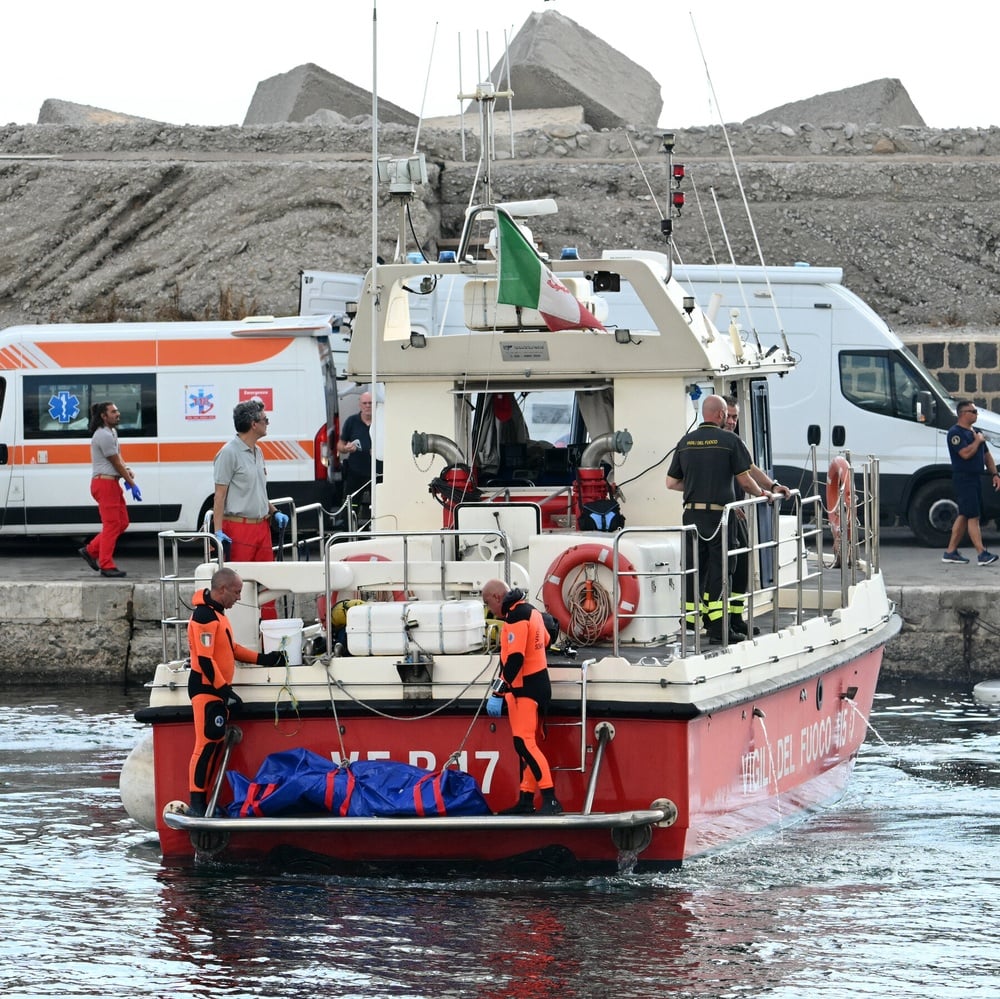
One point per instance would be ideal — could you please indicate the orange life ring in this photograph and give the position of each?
(322, 603)
(572, 558)
(839, 483)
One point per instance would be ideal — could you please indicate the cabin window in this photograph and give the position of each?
(535, 438)
(58, 406)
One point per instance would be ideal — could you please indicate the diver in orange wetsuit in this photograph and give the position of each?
(213, 663)
(524, 685)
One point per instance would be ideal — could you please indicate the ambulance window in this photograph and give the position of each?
(59, 406)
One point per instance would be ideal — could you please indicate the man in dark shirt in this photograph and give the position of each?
(969, 457)
(705, 463)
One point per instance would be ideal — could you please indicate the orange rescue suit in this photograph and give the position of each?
(213, 663)
(522, 652)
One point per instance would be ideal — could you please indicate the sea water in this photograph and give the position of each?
(891, 892)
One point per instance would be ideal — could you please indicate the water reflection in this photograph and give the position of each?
(890, 892)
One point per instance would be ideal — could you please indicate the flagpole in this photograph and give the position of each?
(374, 266)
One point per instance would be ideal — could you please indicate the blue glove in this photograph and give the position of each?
(134, 490)
(281, 519)
(494, 706)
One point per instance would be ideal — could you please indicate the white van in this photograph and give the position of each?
(176, 385)
(856, 386)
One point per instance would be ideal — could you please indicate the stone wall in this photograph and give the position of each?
(966, 363)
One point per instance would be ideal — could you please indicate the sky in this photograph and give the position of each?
(716, 61)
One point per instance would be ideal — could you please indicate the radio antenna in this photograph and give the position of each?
(739, 184)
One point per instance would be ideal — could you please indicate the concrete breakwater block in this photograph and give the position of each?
(554, 63)
(301, 92)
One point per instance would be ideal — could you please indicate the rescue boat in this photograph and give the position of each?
(537, 455)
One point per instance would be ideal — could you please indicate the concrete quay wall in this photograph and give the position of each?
(109, 633)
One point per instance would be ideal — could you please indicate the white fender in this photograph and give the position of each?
(137, 783)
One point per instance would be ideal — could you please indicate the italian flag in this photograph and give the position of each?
(526, 281)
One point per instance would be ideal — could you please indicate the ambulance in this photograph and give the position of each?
(176, 385)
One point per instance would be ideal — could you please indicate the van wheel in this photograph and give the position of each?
(932, 512)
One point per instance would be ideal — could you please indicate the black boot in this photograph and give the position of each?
(199, 803)
(549, 804)
(715, 634)
(738, 626)
(525, 805)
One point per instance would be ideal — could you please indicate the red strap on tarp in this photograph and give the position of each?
(256, 793)
(328, 794)
(418, 802)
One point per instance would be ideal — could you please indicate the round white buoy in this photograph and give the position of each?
(137, 784)
(987, 692)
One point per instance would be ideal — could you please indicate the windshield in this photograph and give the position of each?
(887, 383)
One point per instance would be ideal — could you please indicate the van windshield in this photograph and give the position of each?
(887, 383)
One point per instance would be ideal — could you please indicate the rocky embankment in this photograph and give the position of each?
(158, 221)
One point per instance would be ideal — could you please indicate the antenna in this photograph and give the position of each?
(423, 99)
(732, 260)
(739, 184)
(374, 267)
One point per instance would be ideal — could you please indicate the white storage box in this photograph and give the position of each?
(433, 626)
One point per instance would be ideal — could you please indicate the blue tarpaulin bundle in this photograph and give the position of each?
(303, 782)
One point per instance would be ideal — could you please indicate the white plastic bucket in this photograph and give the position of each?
(284, 635)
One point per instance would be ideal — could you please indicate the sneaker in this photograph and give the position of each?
(959, 558)
(89, 559)
(987, 558)
(113, 573)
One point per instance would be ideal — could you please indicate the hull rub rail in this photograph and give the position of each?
(322, 823)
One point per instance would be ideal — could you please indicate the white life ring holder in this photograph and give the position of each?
(572, 558)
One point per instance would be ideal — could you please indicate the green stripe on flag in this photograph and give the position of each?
(520, 268)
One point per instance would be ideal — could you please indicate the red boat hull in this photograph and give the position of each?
(731, 770)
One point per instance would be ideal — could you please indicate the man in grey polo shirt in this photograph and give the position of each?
(241, 510)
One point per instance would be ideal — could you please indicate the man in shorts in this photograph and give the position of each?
(970, 457)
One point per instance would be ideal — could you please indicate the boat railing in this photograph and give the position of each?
(418, 550)
(182, 548)
(662, 571)
(177, 586)
(779, 556)
(298, 543)
(778, 562)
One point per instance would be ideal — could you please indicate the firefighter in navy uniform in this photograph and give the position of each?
(214, 654)
(704, 465)
(524, 686)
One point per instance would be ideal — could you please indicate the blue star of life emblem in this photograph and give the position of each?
(64, 407)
